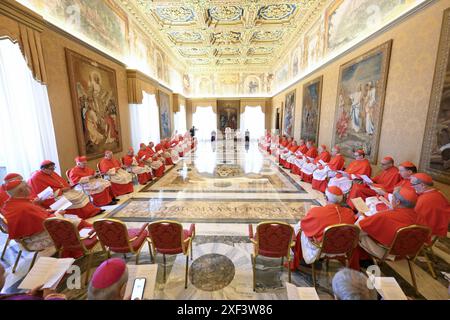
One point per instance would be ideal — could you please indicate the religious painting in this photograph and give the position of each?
(252, 85)
(312, 98)
(435, 158)
(350, 19)
(288, 114)
(360, 102)
(101, 21)
(93, 88)
(164, 115)
(228, 114)
(314, 43)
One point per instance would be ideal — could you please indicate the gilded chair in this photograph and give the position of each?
(4, 229)
(407, 244)
(65, 236)
(274, 240)
(338, 243)
(427, 252)
(169, 237)
(116, 237)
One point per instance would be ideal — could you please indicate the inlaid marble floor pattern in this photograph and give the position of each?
(222, 187)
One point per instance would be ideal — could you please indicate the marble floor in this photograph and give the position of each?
(222, 187)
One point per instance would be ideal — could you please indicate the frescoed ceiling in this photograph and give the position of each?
(225, 35)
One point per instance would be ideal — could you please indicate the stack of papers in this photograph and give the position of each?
(301, 293)
(46, 194)
(47, 272)
(360, 205)
(389, 289)
(147, 271)
(61, 204)
(322, 163)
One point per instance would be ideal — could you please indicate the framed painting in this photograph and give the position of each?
(288, 114)
(228, 115)
(93, 88)
(164, 115)
(360, 102)
(435, 159)
(312, 99)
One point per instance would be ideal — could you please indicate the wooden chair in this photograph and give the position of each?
(407, 244)
(116, 237)
(274, 240)
(338, 243)
(169, 237)
(65, 236)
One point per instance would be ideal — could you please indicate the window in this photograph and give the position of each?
(26, 125)
(253, 120)
(180, 120)
(144, 120)
(205, 121)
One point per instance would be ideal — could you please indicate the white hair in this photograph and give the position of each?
(333, 198)
(110, 293)
(349, 284)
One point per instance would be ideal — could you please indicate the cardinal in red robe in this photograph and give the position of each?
(306, 173)
(24, 218)
(301, 150)
(121, 181)
(98, 188)
(382, 227)
(315, 222)
(139, 168)
(310, 155)
(360, 166)
(47, 177)
(151, 158)
(433, 208)
(320, 175)
(386, 180)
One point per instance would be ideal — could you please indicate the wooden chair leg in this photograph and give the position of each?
(88, 271)
(313, 271)
(289, 270)
(17, 261)
(254, 271)
(152, 260)
(186, 274)
(164, 263)
(4, 248)
(430, 264)
(137, 256)
(33, 261)
(413, 276)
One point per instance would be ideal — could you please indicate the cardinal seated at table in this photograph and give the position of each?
(47, 177)
(85, 179)
(121, 181)
(132, 164)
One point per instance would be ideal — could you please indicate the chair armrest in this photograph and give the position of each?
(250, 231)
(192, 230)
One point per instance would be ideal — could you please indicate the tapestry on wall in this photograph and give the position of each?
(312, 96)
(228, 114)
(360, 102)
(288, 114)
(93, 88)
(164, 115)
(435, 158)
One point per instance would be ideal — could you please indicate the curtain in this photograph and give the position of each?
(26, 125)
(180, 120)
(253, 120)
(205, 121)
(144, 120)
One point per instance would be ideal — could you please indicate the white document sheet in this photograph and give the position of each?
(61, 204)
(389, 289)
(301, 293)
(366, 179)
(46, 194)
(47, 272)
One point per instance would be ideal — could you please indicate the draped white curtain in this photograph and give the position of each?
(144, 120)
(253, 119)
(205, 120)
(27, 135)
(180, 120)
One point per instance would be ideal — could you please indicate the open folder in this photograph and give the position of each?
(47, 272)
(360, 205)
(389, 289)
(46, 194)
(61, 204)
(301, 293)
